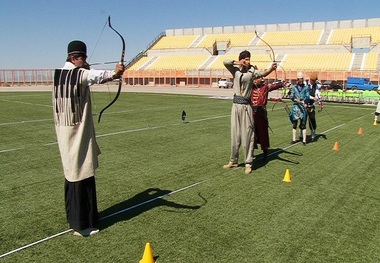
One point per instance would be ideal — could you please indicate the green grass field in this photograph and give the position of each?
(168, 179)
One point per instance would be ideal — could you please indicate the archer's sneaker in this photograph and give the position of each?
(230, 165)
(248, 169)
(86, 232)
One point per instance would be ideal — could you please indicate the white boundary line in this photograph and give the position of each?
(24, 122)
(27, 103)
(154, 199)
(35, 243)
(119, 212)
(333, 128)
(289, 146)
(126, 131)
(11, 150)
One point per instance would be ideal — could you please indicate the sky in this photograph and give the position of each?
(35, 33)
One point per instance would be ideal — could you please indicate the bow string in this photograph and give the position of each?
(273, 55)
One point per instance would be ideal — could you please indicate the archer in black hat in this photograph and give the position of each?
(77, 54)
(76, 137)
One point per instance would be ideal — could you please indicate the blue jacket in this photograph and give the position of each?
(300, 92)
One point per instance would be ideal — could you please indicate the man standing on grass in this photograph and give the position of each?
(76, 135)
(242, 123)
(315, 97)
(377, 112)
(299, 94)
(259, 99)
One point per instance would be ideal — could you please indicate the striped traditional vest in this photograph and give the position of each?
(67, 96)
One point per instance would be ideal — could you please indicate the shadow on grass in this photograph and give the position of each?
(140, 203)
(274, 154)
(317, 137)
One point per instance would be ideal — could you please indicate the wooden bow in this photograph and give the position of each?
(121, 62)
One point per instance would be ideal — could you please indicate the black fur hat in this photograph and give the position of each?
(76, 47)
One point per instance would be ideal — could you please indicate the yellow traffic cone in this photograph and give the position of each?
(336, 146)
(148, 254)
(360, 132)
(287, 177)
(375, 122)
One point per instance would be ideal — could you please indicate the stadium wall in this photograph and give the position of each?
(328, 25)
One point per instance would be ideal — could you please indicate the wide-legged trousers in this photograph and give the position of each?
(242, 132)
(81, 204)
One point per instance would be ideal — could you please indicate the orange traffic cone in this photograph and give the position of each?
(148, 255)
(336, 146)
(287, 178)
(375, 122)
(360, 132)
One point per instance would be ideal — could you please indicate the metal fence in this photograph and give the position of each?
(197, 78)
(26, 77)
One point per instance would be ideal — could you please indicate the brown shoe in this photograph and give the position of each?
(230, 165)
(248, 169)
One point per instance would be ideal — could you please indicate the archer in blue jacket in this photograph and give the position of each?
(300, 95)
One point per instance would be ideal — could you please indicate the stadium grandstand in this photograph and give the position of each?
(194, 56)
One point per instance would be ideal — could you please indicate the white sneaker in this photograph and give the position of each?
(248, 169)
(86, 232)
(230, 165)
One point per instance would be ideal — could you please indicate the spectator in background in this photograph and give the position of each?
(76, 135)
(242, 123)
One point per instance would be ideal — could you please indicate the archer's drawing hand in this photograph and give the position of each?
(119, 69)
(274, 66)
(86, 65)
